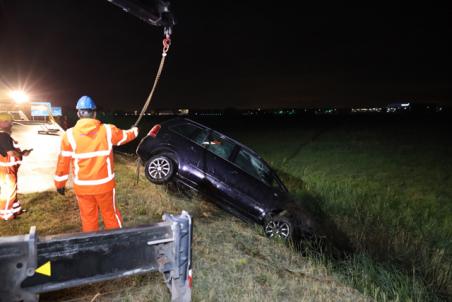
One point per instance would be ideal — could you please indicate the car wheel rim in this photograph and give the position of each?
(278, 229)
(159, 168)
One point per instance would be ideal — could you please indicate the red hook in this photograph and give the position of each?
(166, 44)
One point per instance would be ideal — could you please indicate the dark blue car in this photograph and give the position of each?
(234, 176)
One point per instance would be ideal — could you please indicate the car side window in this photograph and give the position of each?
(192, 132)
(219, 145)
(255, 167)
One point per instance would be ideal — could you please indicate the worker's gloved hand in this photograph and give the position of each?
(26, 152)
(135, 129)
(61, 191)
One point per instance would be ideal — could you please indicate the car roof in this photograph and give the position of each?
(180, 121)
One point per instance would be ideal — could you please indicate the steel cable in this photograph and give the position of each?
(166, 45)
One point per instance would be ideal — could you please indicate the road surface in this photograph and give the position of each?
(37, 169)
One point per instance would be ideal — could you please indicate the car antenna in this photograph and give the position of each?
(162, 17)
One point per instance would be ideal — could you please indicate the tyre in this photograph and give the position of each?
(159, 169)
(279, 227)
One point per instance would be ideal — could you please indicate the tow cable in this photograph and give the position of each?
(166, 45)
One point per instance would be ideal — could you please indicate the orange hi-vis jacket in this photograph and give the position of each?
(89, 146)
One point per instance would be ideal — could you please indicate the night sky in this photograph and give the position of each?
(228, 54)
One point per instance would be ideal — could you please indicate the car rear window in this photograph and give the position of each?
(192, 132)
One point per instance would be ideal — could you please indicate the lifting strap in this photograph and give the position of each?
(166, 45)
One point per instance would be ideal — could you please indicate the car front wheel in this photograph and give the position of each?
(159, 169)
(278, 227)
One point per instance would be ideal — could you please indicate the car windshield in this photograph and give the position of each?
(256, 168)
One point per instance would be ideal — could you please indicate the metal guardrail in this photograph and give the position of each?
(30, 266)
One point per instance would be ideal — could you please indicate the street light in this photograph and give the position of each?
(19, 96)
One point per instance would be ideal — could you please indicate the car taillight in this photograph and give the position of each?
(154, 130)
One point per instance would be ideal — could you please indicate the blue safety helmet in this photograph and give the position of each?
(85, 103)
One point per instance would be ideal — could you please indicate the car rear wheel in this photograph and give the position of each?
(159, 169)
(279, 227)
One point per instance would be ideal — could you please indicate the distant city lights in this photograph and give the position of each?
(402, 107)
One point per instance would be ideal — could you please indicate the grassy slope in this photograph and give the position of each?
(388, 189)
(232, 261)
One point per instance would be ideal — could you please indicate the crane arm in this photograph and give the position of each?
(159, 13)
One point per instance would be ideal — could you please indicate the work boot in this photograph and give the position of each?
(17, 209)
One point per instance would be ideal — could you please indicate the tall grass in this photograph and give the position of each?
(388, 189)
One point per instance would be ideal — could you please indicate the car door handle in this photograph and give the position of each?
(234, 172)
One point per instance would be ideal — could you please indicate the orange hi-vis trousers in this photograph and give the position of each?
(89, 211)
(9, 206)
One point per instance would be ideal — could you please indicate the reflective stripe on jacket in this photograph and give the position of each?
(9, 161)
(10, 164)
(89, 145)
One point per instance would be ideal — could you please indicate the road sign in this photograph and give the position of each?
(57, 111)
(40, 108)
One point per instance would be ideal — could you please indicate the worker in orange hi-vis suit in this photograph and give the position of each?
(89, 147)
(10, 160)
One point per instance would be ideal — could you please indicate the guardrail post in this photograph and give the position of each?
(179, 279)
(76, 259)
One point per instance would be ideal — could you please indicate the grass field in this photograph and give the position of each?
(385, 186)
(232, 261)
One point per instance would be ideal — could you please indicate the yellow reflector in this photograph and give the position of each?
(44, 269)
